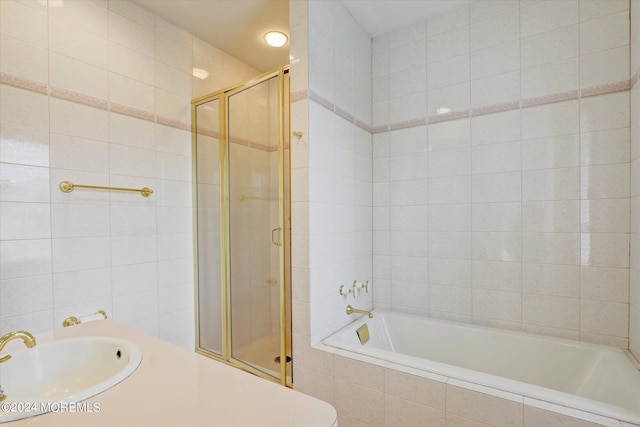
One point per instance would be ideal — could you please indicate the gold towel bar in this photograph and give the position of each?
(68, 187)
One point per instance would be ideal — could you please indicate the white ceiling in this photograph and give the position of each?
(234, 26)
(238, 26)
(382, 16)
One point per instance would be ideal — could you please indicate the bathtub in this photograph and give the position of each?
(591, 378)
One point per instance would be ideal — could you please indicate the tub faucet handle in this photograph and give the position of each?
(344, 290)
(364, 285)
(355, 289)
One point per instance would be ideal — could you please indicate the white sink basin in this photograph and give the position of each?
(69, 370)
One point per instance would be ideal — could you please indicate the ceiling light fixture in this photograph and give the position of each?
(200, 73)
(276, 38)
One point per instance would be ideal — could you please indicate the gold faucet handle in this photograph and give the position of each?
(344, 290)
(361, 285)
(5, 358)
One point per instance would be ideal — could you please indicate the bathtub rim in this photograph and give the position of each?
(505, 388)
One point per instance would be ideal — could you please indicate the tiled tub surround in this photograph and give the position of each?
(564, 270)
(602, 383)
(331, 187)
(99, 93)
(511, 208)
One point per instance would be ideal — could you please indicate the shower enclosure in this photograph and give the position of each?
(242, 225)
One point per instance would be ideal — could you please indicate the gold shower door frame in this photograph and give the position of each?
(225, 271)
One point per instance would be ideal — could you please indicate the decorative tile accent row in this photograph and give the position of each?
(448, 116)
(496, 108)
(364, 126)
(609, 88)
(550, 99)
(207, 132)
(239, 141)
(133, 112)
(298, 95)
(322, 101)
(173, 123)
(345, 114)
(79, 98)
(89, 101)
(256, 145)
(23, 83)
(41, 88)
(340, 112)
(408, 124)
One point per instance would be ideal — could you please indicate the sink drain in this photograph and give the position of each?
(277, 359)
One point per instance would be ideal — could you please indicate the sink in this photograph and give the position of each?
(68, 370)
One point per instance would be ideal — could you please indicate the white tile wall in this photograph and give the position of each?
(519, 199)
(72, 254)
(339, 165)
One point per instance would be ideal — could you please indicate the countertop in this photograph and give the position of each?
(175, 387)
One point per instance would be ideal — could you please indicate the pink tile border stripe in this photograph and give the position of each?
(66, 95)
(10, 80)
(364, 126)
(207, 132)
(298, 95)
(488, 109)
(340, 112)
(454, 115)
(524, 103)
(550, 99)
(79, 98)
(234, 140)
(408, 124)
(609, 88)
(132, 112)
(173, 123)
(257, 146)
(90, 101)
(495, 108)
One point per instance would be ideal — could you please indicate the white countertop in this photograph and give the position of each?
(175, 387)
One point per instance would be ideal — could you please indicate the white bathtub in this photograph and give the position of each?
(592, 378)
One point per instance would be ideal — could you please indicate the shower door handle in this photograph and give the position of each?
(273, 239)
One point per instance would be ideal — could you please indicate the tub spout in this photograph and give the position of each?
(351, 310)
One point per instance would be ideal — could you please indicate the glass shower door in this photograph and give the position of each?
(242, 225)
(207, 151)
(255, 177)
